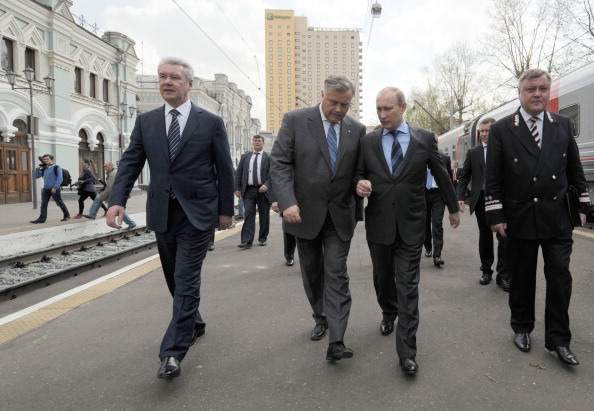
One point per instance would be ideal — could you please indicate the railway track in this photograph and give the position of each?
(44, 267)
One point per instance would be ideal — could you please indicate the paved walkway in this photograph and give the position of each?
(256, 354)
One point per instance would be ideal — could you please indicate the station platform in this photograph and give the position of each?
(98, 348)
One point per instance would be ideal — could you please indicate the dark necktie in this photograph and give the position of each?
(534, 130)
(255, 178)
(332, 146)
(174, 136)
(397, 155)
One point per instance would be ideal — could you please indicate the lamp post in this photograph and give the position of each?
(120, 113)
(49, 87)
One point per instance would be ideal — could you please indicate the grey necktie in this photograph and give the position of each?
(174, 136)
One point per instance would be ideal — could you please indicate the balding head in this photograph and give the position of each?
(108, 166)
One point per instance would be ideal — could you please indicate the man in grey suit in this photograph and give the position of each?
(392, 173)
(191, 188)
(313, 166)
(252, 184)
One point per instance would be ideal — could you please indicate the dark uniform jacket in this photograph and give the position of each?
(243, 172)
(526, 186)
(397, 204)
(473, 172)
(302, 175)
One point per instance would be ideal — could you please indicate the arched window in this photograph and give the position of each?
(84, 151)
(100, 156)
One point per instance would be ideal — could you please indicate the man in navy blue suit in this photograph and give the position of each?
(191, 187)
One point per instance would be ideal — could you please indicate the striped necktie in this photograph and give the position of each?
(174, 136)
(534, 130)
(397, 155)
(332, 146)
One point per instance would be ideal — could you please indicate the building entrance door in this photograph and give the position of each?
(15, 169)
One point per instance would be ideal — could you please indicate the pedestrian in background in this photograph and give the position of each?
(53, 177)
(86, 187)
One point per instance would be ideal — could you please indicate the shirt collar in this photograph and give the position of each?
(402, 128)
(484, 144)
(527, 116)
(324, 119)
(183, 109)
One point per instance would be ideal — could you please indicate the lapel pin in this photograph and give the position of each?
(516, 120)
(550, 117)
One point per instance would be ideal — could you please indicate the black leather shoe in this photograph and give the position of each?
(438, 262)
(387, 327)
(37, 221)
(522, 341)
(337, 351)
(198, 332)
(170, 368)
(485, 278)
(409, 366)
(65, 218)
(262, 243)
(318, 332)
(289, 261)
(564, 354)
(503, 283)
(211, 247)
(427, 253)
(245, 246)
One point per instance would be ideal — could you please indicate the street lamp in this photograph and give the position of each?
(49, 87)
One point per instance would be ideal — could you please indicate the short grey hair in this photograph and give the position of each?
(398, 94)
(338, 83)
(532, 74)
(487, 120)
(176, 61)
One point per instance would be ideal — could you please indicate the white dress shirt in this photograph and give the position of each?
(182, 118)
(327, 125)
(251, 181)
(527, 116)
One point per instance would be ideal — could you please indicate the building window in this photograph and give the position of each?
(7, 54)
(78, 80)
(106, 90)
(30, 60)
(92, 85)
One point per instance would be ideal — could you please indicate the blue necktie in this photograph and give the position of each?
(332, 146)
(174, 136)
(397, 155)
(429, 184)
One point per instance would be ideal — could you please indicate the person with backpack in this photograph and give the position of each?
(54, 178)
(86, 188)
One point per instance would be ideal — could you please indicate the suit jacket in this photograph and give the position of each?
(243, 171)
(526, 186)
(397, 204)
(200, 176)
(473, 172)
(302, 175)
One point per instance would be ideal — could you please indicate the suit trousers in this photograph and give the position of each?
(289, 244)
(323, 262)
(486, 241)
(182, 249)
(396, 273)
(521, 257)
(434, 226)
(252, 199)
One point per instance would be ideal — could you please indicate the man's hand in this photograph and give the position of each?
(583, 218)
(263, 188)
(237, 194)
(115, 216)
(455, 219)
(225, 222)
(462, 206)
(274, 206)
(500, 229)
(364, 188)
(291, 215)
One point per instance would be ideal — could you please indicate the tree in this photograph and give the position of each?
(579, 24)
(428, 109)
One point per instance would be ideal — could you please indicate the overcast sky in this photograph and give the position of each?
(404, 40)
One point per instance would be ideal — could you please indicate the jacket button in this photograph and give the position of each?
(515, 160)
(554, 198)
(564, 155)
(535, 200)
(554, 177)
(534, 179)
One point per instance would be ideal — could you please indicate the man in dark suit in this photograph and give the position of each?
(392, 173)
(313, 166)
(531, 161)
(252, 182)
(435, 211)
(473, 172)
(183, 145)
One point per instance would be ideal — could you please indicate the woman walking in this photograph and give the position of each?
(86, 187)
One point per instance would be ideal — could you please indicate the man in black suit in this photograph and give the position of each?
(392, 173)
(531, 162)
(473, 172)
(313, 166)
(191, 187)
(435, 211)
(252, 182)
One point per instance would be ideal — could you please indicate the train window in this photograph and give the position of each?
(573, 112)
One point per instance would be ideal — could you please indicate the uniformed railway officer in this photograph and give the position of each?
(532, 160)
